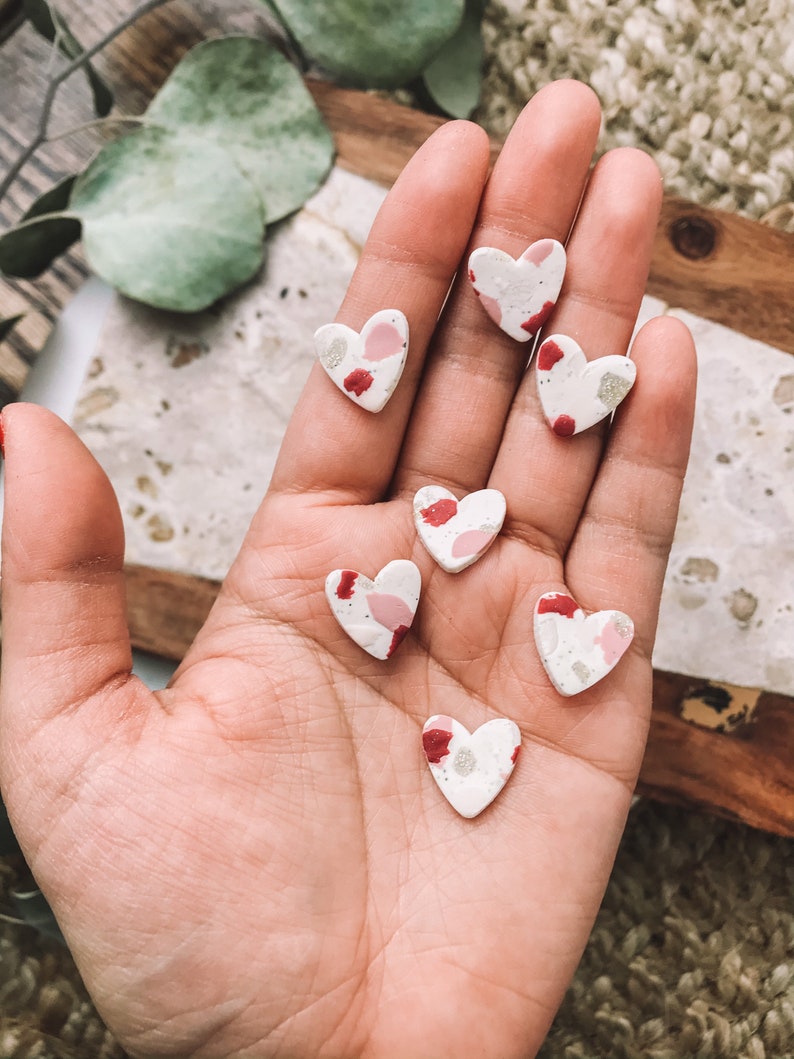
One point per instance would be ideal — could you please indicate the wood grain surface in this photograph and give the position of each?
(721, 267)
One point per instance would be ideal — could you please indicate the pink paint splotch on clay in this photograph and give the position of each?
(471, 542)
(440, 513)
(559, 603)
(539, 251)
(383, 341)
(389, 610)
(492, 307)
(358, 381)
(612, 643)
(347, 581)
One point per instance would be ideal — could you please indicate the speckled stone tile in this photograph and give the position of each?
(728, 603)
(186, 413)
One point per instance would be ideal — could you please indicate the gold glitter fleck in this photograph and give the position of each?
(623, 626)
(333, 356)
(612, 389)
(465, 762)
(581, 671)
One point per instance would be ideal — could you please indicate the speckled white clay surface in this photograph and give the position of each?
(376, 614)
(457, 532)
(470, 768)
(578, 650)
(519, 295)
(367, 366)
(576, 394)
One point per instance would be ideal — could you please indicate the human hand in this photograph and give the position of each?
(256, 861)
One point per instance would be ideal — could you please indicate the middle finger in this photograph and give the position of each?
(473, 369)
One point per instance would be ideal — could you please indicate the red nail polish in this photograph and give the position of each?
(2, 438)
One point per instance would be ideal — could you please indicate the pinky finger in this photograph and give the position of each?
(619, 554)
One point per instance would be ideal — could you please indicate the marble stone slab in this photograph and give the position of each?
(728, 605)
(186, 414)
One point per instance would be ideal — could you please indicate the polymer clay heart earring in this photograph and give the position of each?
(470, 768)
(366, 366)
(576, 394)
(578, 650)
(519, 294)
(376, 614)
(457, 532)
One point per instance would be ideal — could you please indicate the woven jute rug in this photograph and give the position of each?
(692, 954)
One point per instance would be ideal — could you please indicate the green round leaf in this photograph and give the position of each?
(169, 220)
(371, 43)
(454, 76)
(30, 247)
(242, 94)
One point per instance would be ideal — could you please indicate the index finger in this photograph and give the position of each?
(408, 263)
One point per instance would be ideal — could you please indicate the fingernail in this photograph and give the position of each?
(2, 437)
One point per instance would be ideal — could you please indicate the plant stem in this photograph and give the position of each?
(99, 123)
(57, 81)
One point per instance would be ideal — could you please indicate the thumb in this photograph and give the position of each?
(65, 637)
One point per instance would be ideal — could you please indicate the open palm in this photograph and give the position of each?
(256, 861)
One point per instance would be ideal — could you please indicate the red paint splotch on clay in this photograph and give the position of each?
(389, 610)
(440, 513)
(473, 279)
(397, 639)
(472, 542)
(344, 590)
(384, 340)
(436, 744)
(548, 355)
(558, 603)
(563, 426)
(612, 643)
(514, 755)
(358, 381)
(539, 251)
(534, 323)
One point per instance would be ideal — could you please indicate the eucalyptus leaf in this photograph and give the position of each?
(51, 24)
(7, 325)
(371, 43)
(454, 77)
(54, 200)
(168, 219)
(242, 94)
(28, 248)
